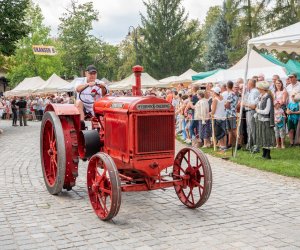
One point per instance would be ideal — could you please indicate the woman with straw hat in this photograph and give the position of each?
(265, 134)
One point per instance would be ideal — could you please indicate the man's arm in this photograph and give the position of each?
(81, 87)
(103, 89)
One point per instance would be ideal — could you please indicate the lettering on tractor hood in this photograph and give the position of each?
(117, 105)
(157, 106)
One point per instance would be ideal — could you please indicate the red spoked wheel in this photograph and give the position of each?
(53, 152)
(104, 186)
(192, 166)
(57, 137)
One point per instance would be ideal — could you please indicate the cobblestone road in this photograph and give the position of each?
(247, 209)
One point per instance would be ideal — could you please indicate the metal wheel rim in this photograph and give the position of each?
(192, 162)
(104, 187)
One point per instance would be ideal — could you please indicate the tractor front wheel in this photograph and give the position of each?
(192, 167)
(104, 186)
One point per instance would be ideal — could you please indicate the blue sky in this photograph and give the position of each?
(116, 15)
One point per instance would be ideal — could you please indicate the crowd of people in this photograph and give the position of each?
(270, 111)
(29, 107)
(210, 115)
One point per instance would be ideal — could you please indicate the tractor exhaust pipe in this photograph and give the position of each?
(136, 89)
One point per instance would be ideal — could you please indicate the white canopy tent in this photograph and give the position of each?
(70, 87)
(257, 64)
(185, 77)
(107, 82)
(147, 81)
(168, 80)
(52, 85)
(286, 39)
(26, 87)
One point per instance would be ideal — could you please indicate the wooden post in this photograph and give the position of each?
(213, 133)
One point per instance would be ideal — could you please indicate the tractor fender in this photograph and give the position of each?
(62, 109)
(65, 110)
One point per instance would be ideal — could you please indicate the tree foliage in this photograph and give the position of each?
(246, 19)
(217, 49)
(127, 58)
(79, 47)
(251, 11)
(168, 43)
(12, 25)
(284, 13)
(169, 46)
(24, 63)
(107, 61)
(211, 18)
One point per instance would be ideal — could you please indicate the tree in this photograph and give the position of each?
(169, 45)
(211, 18)
(245, 20)
(216, 55)
(238, 31)
(107, 61)
(127, 58)
(252, 13)
(12, 26)
(24, 63)
(79, 47)
(130, 52)
(284, 13)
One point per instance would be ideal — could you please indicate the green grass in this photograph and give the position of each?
(284, 161)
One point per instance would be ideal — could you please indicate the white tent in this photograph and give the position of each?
(286, 39)
(168, 80)
(147, 81)
(26, 87)
(257, 65)
(52, 85)
(185, 77)
(106, 81)
(70, 87)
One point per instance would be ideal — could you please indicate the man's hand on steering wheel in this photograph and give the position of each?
(91, 84)
(102, 87)
(94, 91)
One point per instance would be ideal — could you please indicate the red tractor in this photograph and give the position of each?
(131, 147)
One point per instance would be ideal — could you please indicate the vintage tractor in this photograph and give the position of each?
(131, 147)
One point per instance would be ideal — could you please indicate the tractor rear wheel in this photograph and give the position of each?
(104, 186)
(58, 136)
(192, 166)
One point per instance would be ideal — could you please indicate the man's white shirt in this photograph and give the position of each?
(86, 93)
(293, 88)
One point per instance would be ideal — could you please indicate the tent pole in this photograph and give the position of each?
(249, 48)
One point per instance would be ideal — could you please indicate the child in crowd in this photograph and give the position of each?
(293, 112)
(279, 125)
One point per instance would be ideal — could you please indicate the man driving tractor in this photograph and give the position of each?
(88, 90)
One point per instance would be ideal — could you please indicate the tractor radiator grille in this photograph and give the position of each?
(155, 133)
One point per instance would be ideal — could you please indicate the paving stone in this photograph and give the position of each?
(247, 209)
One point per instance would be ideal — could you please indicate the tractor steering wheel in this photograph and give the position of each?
(93, 93)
